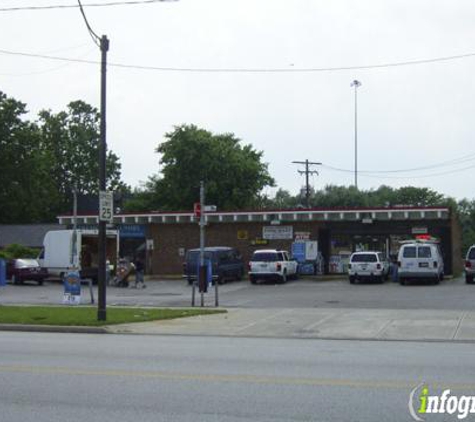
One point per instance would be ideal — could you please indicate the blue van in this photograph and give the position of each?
(226, 263)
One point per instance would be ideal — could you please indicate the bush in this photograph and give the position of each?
(18, 251)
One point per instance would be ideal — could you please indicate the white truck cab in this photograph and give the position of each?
(268, 264)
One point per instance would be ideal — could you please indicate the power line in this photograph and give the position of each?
(94, 36)
(243, 70)
(422, 176)
(75, 6)
(452, 162)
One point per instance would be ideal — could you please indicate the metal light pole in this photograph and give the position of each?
(356, 84)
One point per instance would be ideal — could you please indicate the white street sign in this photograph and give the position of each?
(106, 206)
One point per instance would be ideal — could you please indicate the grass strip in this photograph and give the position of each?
(87, 316)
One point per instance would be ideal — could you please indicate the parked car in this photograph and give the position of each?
(20, 270)
(368, 265)
(272, 264)
(470, 265)
(226, 263)
(420, 260)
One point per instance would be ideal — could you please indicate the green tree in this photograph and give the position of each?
(25, 186)
(234, 174)
(71, 142)
(466, 215)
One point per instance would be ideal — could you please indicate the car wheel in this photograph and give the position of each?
(252, 279)
(468, 279)
(352, 280)
(40, 282)
(402, 282)
(381, 279)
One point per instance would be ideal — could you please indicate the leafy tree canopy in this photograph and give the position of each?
(41, 162)
(234, 174)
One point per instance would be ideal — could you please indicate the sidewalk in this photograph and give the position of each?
(363, 324)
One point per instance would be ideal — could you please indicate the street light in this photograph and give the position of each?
(356, 84)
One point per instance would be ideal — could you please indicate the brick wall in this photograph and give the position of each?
(170, 238)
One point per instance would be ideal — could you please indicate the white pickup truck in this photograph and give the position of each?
(271, 264)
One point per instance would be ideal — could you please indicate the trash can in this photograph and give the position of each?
(3, 272)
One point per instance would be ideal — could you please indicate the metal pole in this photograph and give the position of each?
(101, 312)
(202, 241)
(356, 136)
(356, 84)
(307, 187)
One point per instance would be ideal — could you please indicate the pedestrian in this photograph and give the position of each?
(394, 269)
(139, 273)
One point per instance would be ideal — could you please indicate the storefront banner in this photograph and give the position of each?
(277, 232)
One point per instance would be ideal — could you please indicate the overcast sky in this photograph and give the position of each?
(414, 116)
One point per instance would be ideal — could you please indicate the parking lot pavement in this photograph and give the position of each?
(302, 309)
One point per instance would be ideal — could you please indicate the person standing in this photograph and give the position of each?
(139, 273)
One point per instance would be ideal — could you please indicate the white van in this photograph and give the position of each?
(420, 260)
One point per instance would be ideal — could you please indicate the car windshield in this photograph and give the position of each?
(194, 256)
(22, 263)
(424, 252)
(409, 252)
(364, 257)
(265, 257)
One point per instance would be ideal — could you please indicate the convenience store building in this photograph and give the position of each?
(166, 236)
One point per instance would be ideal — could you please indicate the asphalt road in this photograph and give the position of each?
(66, 377)
(452, 294)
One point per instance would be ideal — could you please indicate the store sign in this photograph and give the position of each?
(419, 230)
(242, 234)
(278, 232)
(259, 242)
(135, 231)
(300, 236)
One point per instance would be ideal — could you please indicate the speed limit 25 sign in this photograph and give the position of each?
(106, 206)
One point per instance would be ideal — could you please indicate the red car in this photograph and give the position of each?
(20, 270)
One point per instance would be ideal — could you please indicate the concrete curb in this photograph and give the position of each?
(54, 329)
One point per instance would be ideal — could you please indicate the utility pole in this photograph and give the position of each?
(103, 44)
(101, 312)
(307, 172)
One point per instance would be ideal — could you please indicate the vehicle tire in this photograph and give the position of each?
(40, 282)
(239, 275)
(352, 280)
(469, 279)
(252, 279)
(381, 279)
(402, 281)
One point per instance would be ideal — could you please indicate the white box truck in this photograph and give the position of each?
(63, 250)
